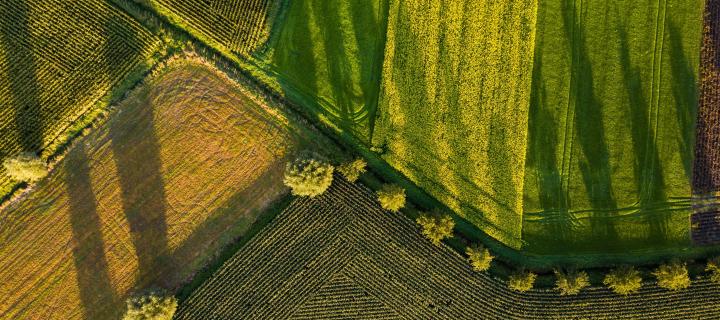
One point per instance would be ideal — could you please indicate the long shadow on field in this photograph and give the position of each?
(136, 151)
(650, 182)
(15, 39)
(590, 133)
(89, 255)
(542, 158)
(685, 94)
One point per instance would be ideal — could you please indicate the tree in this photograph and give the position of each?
(672, 276)
(391, 197)
(308, 177)
(713, 266)
(623, 280)
(571, 282)
(522, 281)
(353, 169)
(436, 227)
(480, 257)
(26, 167)
(152, 306)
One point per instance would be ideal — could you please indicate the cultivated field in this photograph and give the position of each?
(453, 107)
(181, 168)
(340, 256)
(327, 55)
(706, 169)
(56, 61)
(612, 126)
(238, 26)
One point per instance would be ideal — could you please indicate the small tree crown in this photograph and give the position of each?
(436, 226)
(308, 177)
(480, 257)
(25, 167)
(391, 197)
(353, 169)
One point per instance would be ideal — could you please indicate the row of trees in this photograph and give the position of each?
(309, 177)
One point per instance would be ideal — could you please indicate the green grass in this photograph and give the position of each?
(453, 109)
(327, 54)
(611, 130)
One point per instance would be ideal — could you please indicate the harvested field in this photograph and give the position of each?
(181, 168)
(341, 256)
(612, 126)
(56, 60)
(453, 109)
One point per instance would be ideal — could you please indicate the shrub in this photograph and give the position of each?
(571, 282)
(150, 307)
(522, 281)
(672, 276)
(436, 227)
(623, 280)
(308, 177)
(353, 169)
(27, 167)
(713, 266)
(480, 257)
(391, 197)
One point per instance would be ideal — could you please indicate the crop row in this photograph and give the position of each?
(53, 69)
(344, 239)
(238, 25)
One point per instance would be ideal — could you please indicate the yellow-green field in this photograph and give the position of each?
(453, 108)
(182, 167)
(56, 60)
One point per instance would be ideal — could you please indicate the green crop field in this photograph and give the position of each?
(612, 126)
(454, 105)
(327, 55)
(340, 256)
(56, 60)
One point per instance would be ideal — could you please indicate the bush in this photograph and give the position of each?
(308, 177)
(571, 282)
(713, 266)
(391, 197)
(150, 307)
(480, 257)
(522, 281)
(672, 276)
(436, 227)
(353, 169)
(26, 167)
(623, 280)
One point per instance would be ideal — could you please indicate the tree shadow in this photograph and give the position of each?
(24, 86)
(685, 94)
(590, 133)
(88, 253)
(650, 182)
(136, 151)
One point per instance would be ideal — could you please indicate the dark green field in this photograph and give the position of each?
(612, 126)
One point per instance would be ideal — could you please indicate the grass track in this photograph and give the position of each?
(130, 207)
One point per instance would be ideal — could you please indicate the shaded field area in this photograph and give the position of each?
(612, 126)
(183, 166)
(238, 26)
(327, 55)
(56, 60)
(453, 106)
(341, 256)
